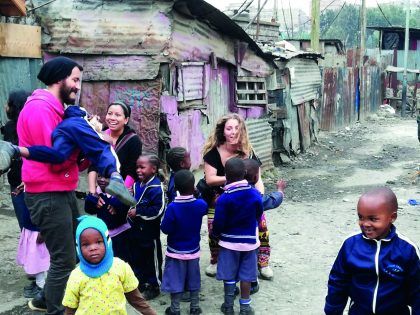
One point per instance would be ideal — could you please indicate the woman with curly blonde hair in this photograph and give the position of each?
(229, 139)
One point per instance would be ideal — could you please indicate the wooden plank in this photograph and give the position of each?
(250, 79)
(252, 102)
(22, 41)
(251, 91)
(12, 7)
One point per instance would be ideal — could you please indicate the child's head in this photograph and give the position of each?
(252, 170)
(147, 166)
(15, 103)
(184, 182)
(235, 170)
(102, 182)
(377, 210)
(178, 158)
(93, 246)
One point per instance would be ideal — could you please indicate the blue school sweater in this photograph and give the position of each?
(112, 221)
(182, 223)
(237, 211)
(149, 209)
(171, 192)
(72, 133)
(380, 277)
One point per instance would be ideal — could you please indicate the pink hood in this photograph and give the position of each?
(39, 117)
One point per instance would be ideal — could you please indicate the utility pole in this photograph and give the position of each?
(315, 25)
(257, 33)
(407, 36)
(362, 52)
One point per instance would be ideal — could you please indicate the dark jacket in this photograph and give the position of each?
(380, 277)
(149, 209)
(112, 221)
(14, 176)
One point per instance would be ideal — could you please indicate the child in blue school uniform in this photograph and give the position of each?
(237, 213)
(114, 213)
(182, 223)
(145, 218)
(177, 158)
(378, 269)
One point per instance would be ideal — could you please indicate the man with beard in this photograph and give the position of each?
(49, 190)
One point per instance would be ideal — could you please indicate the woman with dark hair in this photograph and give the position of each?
(125, 141)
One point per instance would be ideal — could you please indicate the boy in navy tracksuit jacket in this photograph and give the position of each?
(114, 214)
(379, 269)
(75, 132)
(182, 223)
(177, 158)
(237, 213)
(145, 221)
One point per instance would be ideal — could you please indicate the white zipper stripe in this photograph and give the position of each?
(375, 293)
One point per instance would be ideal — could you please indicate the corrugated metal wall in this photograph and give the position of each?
(338, 107)
(259, 131)
(17, 73)
(305, 80)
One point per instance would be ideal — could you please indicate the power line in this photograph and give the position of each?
(239, 10)
(332, 22)
(322, 11)
(380, 9)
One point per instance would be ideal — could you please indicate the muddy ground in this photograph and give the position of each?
(306, 231)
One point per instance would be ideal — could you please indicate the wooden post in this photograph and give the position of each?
(315, 25)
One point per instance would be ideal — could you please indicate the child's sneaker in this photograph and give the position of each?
(38, 303)
(247, 311)
(211, 270)
(195, 311)
(117, 188)
(255, 287)
(227, 310)
(168, 311)
(151, 292)
(31, 291)
(266, 273)
(7, 152)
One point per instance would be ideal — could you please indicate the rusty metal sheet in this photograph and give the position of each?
(327, 114)
(138, 27)
(260, 136)
(141, 96)
(305, 80)
(304, 125)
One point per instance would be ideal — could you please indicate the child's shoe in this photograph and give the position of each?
(117, 188)
(38, 303)
(227, 310)
(266, 273)
(211, 270)
(195, 311)
(151, 292)
(7, 152)
(248, 311)
(169, 311)
(31, 290)
(255, 287)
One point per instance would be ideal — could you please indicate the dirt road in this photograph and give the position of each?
(307, 230)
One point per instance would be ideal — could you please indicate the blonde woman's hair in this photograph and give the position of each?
(217, 137)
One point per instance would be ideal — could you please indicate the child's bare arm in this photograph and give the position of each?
(70, 311)
(136, 300)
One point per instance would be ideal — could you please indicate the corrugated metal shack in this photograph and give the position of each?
(294, 96)
(179, 64)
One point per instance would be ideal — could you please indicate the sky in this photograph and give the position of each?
(301, 4)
